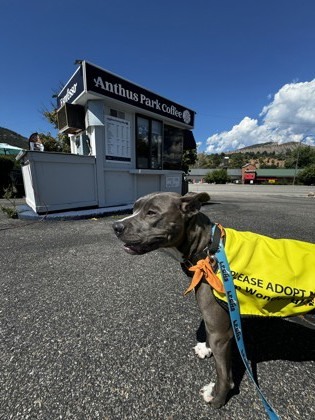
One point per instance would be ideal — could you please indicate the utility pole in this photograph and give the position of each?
(297, 162)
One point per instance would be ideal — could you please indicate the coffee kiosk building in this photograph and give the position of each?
(126, 141)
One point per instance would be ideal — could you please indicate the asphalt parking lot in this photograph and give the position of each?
(90, 332)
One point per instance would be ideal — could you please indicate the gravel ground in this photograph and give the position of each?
(90, 332)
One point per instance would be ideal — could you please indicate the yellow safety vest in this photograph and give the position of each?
(272, 277)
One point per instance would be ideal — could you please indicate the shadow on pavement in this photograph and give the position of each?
(268, 339)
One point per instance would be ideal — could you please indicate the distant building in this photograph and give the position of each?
(248, 174)
(276, 176)
(198, 174)
(252, 175)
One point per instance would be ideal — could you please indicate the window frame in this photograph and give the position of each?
(159, 143)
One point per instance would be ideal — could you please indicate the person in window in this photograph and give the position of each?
(35, 143)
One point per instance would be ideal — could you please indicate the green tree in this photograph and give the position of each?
(217, 160)
(307, 175)
(303, 155)
(189, 159)
(212, 161)
(237, 160)
(62, 143)
(202, 161)
(50, 143)
(51, 116)
(219, 176)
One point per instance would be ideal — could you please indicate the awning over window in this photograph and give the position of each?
(189, 140)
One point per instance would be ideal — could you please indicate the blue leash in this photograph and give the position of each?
(234, 312)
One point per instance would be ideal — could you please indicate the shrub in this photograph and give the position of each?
(10, 176)
(12, 210)
(6, 166)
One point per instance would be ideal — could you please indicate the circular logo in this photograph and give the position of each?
(186, 116)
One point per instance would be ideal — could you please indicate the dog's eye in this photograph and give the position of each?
(151, 213)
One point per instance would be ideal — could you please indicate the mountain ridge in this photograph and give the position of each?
(269, 147)
(12, 138)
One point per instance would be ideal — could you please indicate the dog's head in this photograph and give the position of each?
(158, 221)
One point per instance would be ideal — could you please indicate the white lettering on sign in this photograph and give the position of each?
(70, 92)
(141, 98)
(152, 103)
(117, 89)
(172, 110)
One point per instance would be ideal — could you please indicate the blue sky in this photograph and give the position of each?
(246, 67)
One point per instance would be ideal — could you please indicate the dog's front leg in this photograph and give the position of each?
(219, 334)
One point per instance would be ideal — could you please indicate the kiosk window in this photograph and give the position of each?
(173, 147)
(117, 114)
(149, 134)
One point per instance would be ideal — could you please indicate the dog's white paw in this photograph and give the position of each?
(206, 392)
(202, 351)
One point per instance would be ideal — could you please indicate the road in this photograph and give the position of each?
(90, 332)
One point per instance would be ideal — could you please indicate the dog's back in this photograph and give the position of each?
(273, 277)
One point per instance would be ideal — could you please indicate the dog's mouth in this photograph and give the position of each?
(140, 249)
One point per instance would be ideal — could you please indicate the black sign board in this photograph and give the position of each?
(72, 90)
(109, 85)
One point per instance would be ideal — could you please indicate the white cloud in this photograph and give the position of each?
(290, 116)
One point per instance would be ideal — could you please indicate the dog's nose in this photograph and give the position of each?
(118, 228)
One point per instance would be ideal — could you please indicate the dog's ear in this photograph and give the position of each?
(191, 202)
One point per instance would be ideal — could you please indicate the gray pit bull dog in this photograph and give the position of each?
(171, 221)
